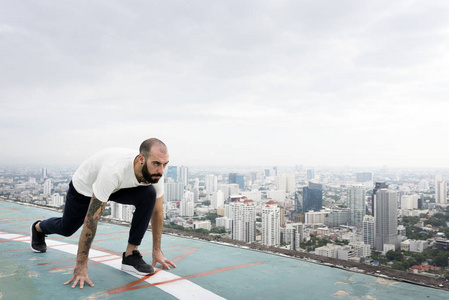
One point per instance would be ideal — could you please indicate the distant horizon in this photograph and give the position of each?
(357, 169)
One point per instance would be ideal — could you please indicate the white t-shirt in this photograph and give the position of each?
(108, 171)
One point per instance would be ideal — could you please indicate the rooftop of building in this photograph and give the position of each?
(205, 270)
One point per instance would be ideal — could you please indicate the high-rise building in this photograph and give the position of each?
(337, 218)
(313, 197)
(299, 202)
(233, 189)
(315, 217)
(368, 230)
(48, 186)
(184, 175)
(57, 200)
(238, 179)
(291, 235)
(386, 219)
(378, 186)
(211, 184)
(440, 190)
(271, 224)
(173, 191)
(253, 177)
(243, 215)
(121, 211)
(409, 201)
(187, 205)
(225, 189)
(217, 199)
(310, 174)
(356, 203)
(172, 172)
(285, 182)
(266, 173)
(277, 195)
(44, 174)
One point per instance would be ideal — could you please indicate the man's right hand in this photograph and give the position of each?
(80, 275)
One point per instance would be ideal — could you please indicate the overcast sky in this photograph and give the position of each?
(358, 83)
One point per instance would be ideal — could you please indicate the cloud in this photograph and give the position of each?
(227, 82)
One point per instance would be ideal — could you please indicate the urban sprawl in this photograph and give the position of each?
(396, 219)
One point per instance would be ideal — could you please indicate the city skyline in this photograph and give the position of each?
(227, 83)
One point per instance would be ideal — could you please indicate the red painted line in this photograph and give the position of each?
(8, 210)
(191, 250)
(131, 286)
(12, 240)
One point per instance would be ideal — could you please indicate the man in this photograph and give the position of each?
(119, 175)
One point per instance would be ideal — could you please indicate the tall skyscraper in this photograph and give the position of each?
(48, 186)
(266, 173)
(356, 203)
(172, 172)
(184, 175)
(379, 185)
(238, 179)
(440, 190)
(211, 184)
(369, 230)
(310, 174)
(271, 224)
(299, 202)
(243, 215)
(386, 218)
(313, 197)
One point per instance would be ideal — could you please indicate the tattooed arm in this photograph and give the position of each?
(94, 213)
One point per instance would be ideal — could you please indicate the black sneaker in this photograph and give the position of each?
(134, 263)
(37, 239)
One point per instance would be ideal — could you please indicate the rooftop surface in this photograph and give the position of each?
(204, 270)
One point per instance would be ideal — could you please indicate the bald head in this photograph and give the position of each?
(148, 144)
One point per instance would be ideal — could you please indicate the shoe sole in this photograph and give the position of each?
(31, 241)
(128, 268)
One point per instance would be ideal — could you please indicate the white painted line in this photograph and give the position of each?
(181, 289)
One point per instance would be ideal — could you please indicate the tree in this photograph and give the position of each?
(436, 222)
(441, 259)
(419, 257)
(375, 254)
(394, 255)
(218, 230)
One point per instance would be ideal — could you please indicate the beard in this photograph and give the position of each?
(150, 178)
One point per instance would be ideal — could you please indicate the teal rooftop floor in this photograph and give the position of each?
(204, 270)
